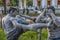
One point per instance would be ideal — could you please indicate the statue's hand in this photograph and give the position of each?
(34, 19)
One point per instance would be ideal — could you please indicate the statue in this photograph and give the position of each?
(53, 29)
(14, 24)
(13, 27)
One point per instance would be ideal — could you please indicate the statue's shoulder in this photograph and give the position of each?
(4, 18)
(7, 17)
(12, 18)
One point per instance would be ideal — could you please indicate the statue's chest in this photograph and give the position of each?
(53, 29)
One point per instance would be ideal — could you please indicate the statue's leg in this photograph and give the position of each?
(50, 38)
(15, 35)
(36, 26)
(53, 17)
(54, 39)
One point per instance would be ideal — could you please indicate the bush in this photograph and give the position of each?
(2, 35)
(30, 35)
(44, 34)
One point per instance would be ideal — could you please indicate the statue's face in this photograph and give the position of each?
(14, 13)
(49, 11)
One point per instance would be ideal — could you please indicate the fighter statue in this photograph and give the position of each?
(54, 28)
(48, 16)
(14, 26)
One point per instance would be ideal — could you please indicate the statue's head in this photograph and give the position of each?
(13, 11)
(51, 9)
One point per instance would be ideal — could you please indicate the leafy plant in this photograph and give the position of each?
(31, 35)
(2, 35)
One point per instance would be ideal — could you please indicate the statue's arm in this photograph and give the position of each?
(28, 17)
(37, 20)
(55, 19)
(31, 26)
(39, 17)
(53, 16)
(15, 23)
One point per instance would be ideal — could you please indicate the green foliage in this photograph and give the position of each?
(1, 2)
(2, 35)
(14, 2)
(30, 35)
(33, 14)
(29, 2)
(44, 34)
